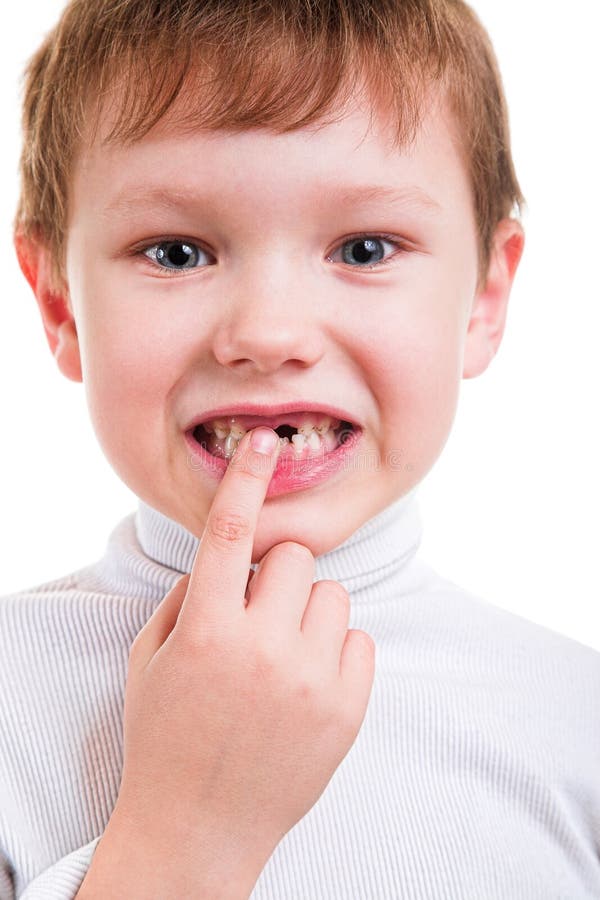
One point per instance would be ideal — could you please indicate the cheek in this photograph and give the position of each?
(415, 379)
(129, 368)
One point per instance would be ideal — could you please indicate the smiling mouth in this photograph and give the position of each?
(315, 436)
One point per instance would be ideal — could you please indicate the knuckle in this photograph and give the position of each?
(228, 527)
(307, 691)
(337, 592)
(368, 642)
(363, 644)
(266, 664)
(323, 707)
(299, 551)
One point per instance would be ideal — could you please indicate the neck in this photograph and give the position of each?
(380, 549)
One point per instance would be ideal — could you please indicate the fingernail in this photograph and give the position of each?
(264, 440)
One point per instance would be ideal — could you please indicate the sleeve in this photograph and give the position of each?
(60, 882)
(7, 889)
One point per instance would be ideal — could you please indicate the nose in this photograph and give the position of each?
(267, 324)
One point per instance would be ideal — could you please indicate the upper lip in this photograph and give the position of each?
(270, 412)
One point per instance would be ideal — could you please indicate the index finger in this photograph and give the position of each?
(220, 570)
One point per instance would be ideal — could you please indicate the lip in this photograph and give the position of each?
(271, 412)
(291, 473)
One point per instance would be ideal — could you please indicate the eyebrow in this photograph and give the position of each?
(411, 195)
(140, 197)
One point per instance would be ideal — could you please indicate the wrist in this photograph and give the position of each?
(131, 862)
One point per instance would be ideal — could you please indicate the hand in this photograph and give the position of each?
(236, 716)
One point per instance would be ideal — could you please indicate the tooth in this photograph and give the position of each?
(230, 445)
(314, 441)
(312, 432)
(237, 430)
(307, 426)
(324, 424)
(299, 441)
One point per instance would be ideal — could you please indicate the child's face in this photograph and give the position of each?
(263, 316)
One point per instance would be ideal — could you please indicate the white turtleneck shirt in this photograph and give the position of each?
(475, 774)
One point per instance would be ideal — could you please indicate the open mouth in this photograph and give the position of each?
(301, 436)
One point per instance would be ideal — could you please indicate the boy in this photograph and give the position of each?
(179, 721)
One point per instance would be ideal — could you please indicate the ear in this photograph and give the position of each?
(489, 308)
(57, 317)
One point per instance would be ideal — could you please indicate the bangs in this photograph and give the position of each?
(281, 69)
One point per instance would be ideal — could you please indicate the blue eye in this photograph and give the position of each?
(177, 255)
(368, 251)
(362, 250)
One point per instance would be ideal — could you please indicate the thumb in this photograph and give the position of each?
(160, 624)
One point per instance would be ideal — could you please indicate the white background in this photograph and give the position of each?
(511, 507)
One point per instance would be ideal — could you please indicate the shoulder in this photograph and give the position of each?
(45, 594)
(485, 636)
(474, 613)
(63, 618)
(524, 694)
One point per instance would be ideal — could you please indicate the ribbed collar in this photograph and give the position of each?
(380, 550)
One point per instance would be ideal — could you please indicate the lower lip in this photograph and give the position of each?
(292, 473)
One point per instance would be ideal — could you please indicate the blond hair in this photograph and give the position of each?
(282, 64)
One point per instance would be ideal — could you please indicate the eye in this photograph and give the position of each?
(175, 255)
(366, 251)
(361, 251)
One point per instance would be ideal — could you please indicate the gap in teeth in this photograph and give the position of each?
(312, 436)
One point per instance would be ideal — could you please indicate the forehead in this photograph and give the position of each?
(351, 157)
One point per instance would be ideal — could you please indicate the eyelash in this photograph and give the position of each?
(140, 252)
